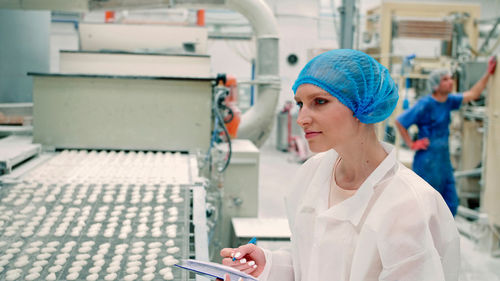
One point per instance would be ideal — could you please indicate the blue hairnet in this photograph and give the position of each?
(435, 78)
(356, 80)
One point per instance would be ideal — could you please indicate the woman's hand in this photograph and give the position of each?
(248, 258)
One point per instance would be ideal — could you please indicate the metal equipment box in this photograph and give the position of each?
(122, 112)
(241, 188)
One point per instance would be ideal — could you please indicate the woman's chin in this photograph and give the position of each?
(315, 148)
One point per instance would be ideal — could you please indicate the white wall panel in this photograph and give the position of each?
(134, 64)
(137, 37)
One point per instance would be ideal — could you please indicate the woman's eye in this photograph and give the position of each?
(299, 104)
(321, 101)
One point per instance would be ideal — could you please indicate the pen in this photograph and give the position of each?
(252, 241)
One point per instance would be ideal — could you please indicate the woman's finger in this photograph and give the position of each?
(226, 252)
(242, 251)
(250, 269)
(235, 263)
(242, 264)
(230, 262)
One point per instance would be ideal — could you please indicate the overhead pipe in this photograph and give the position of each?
(257, 122)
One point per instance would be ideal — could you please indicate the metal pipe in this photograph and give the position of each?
(468, 173)
(472, 214)
(257, 122)
(346, 24)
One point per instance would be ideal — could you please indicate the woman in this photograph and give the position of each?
(354, 211)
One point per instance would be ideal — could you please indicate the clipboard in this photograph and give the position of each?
(214, 270)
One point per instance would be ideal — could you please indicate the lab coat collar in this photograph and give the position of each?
(353, 208)
(313, 201)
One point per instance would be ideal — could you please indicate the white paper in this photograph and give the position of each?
(215, 270)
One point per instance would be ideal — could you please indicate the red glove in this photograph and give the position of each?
(492, 65)
(420, 144)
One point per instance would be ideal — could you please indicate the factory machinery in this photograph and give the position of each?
(98, 215)
(109, 187)
(116, 193)
(109, 198)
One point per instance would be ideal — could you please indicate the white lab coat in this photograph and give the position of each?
(395, 227)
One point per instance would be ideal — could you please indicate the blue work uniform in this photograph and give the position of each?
(433, 165)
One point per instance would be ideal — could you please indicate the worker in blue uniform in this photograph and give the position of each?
(431, 114)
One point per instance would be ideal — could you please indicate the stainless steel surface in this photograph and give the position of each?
(15, 130)
(14, 150)
(16, 175)
(200, 226)
(21, 108)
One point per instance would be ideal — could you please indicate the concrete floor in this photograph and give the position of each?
(276, 169)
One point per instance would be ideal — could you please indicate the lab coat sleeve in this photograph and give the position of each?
(279, 266)
(421, 242)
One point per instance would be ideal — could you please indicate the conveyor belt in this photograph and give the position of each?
(87, 215)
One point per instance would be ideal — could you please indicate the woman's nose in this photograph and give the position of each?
(304, 118)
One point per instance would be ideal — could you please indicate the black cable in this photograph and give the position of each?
(228, 112)
(221, 121)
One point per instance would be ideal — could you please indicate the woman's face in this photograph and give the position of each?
(327, 123)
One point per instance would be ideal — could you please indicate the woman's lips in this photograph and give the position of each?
(310, 135)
